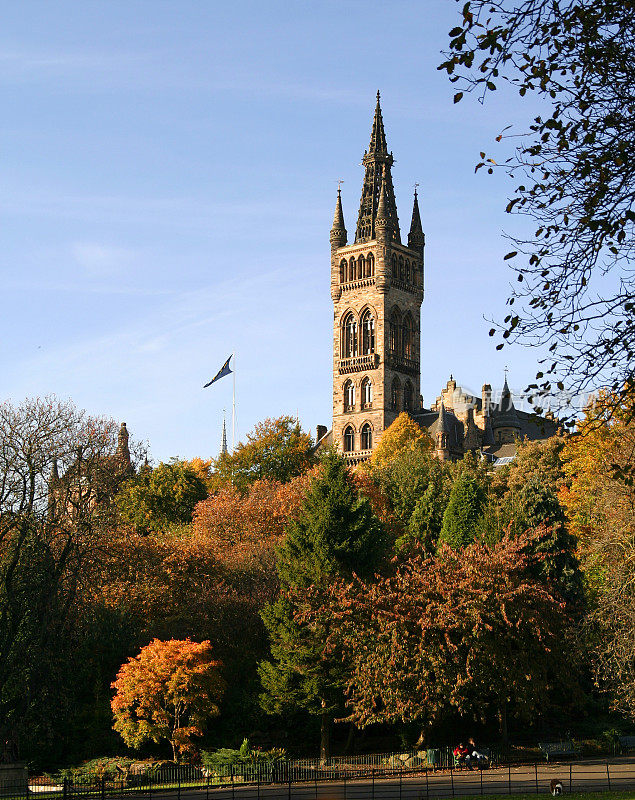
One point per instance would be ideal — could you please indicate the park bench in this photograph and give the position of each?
(627, 742)
(558, 749)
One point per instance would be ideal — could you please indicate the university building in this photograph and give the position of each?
(377, 287)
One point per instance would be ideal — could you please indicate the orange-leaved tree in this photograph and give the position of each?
(168, 691)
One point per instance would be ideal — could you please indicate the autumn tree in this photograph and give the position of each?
(59, 472)
(277, 449)
(601, 512)
(168, 692)
(576, 172)
(157, 498)
(540, 459)
(335, 534)
(402, 434)
(465, 631)
(464, 512)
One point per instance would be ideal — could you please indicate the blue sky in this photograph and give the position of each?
(169, 175)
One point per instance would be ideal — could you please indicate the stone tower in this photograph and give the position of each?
(377, 291)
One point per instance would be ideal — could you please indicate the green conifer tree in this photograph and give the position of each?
(462, 516)
(336, 535)
(541, 511)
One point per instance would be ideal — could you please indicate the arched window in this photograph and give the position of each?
(368, 333)
(370, 265)
(408, 396)
(395, 391)
(401, 268)
(349, 440)
(351, 270)
(393, 264)
(350, 336)
(349, 396)
(367, 437)
(367, 393)
(394, 331)
(406, 337)
(407, 270)
(343, 270)
(361, 266)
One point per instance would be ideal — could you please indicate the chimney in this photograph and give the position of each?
(322, 430)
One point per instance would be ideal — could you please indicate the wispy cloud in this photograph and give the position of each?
(29, 62)
(100, 260)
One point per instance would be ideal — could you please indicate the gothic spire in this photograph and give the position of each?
(416, 238)
(378, 134)
(338, 231)
(377, 162)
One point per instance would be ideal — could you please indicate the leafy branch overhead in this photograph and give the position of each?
(575, 282)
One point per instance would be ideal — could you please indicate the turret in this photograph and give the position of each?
(339, 236)
(442, 435)
(505, 423)
(123, 451)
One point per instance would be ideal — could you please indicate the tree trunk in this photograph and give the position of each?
(325, 733)
(350, 739)
(502, 719)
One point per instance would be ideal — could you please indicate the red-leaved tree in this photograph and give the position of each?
(466, 631)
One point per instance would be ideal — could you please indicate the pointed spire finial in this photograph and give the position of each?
(506, 385)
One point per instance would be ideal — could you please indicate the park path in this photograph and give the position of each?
(535, 779)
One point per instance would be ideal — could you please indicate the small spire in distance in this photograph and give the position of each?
(223, 446)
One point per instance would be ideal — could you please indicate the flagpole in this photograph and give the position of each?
(234, 408)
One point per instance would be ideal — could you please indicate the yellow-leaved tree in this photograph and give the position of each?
(404, 433)
(600, 504)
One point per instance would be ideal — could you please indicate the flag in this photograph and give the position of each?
(224, 370)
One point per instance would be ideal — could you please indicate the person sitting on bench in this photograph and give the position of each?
(460, 753)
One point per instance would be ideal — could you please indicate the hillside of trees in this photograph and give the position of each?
(277, 595)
